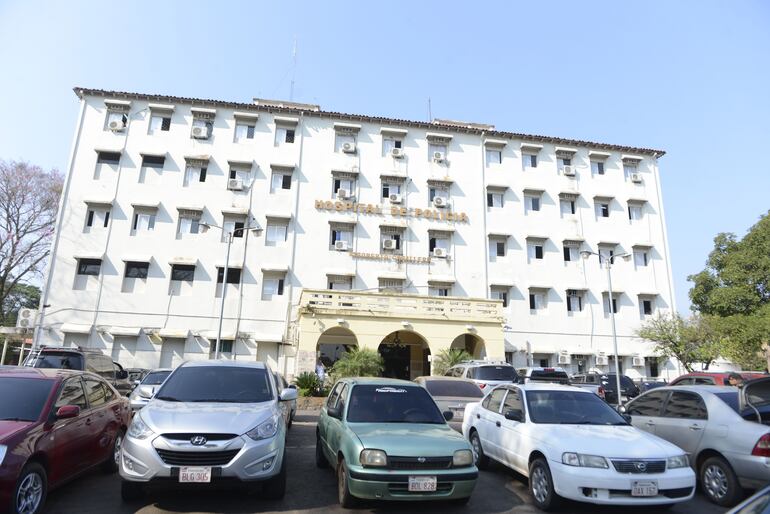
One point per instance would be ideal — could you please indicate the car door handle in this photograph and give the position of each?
(497, 423)
(696, 427)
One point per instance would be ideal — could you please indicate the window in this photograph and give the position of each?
(602, 209)
(567, 207)
(152, 169)
(606, 301)
(495, 400)
(497, 247)
(389, 143)
(194, 174)
(606, 253)
(71, 394)
(534, 250)
(225, 346)
(106, 162)
(438, 291)
(494, 199)
(89, 266)
(536, 300)
(645, 305)
(341, 138)
(95, 392)
(391, 285)
(435, 191)
(571, 253)
(160, 123)
(97, 218)
(275, 233)
(438, 240)
(284, 135)
(561, 162)
(641, 258)
(271, 287)
(341, 233)
(500, 293)
(234, 226)
(685, 405)
(629, 169)
(513, 402)
(634, 212)
(119, 117)
(241, 172)
(201, 128)
(244, 130)
(144, 220)
(340, 283)
(494, 156)
(390, 234)
(137, 269)
(233, 275)
(529, 161)
(189, 223)
(649, 404)
(342, 183)
(183, 272)
(531, 203)
(597, 167)
(574, 301)
(390, 188)
(437, 152)
(280, 181)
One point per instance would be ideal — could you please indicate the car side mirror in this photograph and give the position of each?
(121, 374)
(622, 409)
(292, 386)
(514, 415)
(144, 392)
(334, 412)
(288, 395)
(448, 415)
(67, 412)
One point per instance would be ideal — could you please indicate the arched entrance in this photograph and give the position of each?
(406, 355)
(333, 344)
(471, 343)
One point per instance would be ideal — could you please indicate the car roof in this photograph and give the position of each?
(63, 349)
(38, 373)
(378, 381)
(223, 364)
(541, 386)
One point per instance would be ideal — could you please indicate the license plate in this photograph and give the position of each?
(195, 474)
(644, 488)
(422, 484)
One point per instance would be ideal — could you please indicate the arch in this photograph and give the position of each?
(406, 354)
(333, 343)
(471, 343)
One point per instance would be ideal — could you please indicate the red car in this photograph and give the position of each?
(713, 377)
(54, 424)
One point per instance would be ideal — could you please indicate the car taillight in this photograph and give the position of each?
(601, 392)
(762, 448)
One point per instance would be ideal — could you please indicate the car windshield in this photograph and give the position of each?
(23, 399)
(495, 373)
(456, 388)
(57, 360)
(392, 404)
(549, 375)
(570, 408)
(155, 377)
(229, 384)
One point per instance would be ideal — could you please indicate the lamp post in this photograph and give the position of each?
(607, 261)
(204, 228)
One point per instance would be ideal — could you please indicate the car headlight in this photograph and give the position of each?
(462, 458)
(266, 429)
(139, 429)
(678, 461)
(373, 458)
(584, 461)
(3, 449)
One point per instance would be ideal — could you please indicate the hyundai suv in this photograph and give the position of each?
(210, 422)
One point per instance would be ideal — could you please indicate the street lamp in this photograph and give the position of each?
(204, 227)
(607, 261)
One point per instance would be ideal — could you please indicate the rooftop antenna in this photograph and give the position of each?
(293, 69)
(430, 114)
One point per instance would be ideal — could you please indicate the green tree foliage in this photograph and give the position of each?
(358, 362)
(733, 294)
(307, 382)
(20, 297)
(690, 341)
(447, 358)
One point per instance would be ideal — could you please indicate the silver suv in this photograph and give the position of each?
(486, 374)
(210, 421)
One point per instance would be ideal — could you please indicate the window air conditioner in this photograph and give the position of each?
(341, 246)
(389, 244)
(116, 125)
(26, 318)
(638, 361)
(395, 198)
(568, 171)
(343, 193)
(349, 147)
(439, 252)
(564, 359)
(636, 178)
(396, 153)
(602, 360)
(200, 132)
(439, 201)
(235, 184)
(438, 156)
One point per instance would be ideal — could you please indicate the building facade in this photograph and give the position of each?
(407, 237)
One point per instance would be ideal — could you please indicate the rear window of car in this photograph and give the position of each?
(453, 388)
(494, 373)
(549, 374)
(23, 399)
(58, 360)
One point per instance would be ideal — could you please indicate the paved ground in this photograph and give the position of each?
(314, 490)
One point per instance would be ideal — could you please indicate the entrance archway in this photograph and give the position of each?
(471, 343)
(406, 355)
(333, 344)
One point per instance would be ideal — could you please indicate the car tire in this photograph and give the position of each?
(541, 485)
(347, 500)
(113, 459)
(31, 490)
(719, 483)
(482, 461)
(130, 491)
(275, 487)
(291, 420)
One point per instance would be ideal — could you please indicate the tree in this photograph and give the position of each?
(688, 340)
(20, 297)
(358, 362)
(29, 198)
(733, 294)
(447, 358)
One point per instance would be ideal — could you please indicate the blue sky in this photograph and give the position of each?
(691, 77)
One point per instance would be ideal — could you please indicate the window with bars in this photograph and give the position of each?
(244, 131)
(438, 291)
(340, 283)
(391, 285)
(284, 135)
(225, 346)
(160, 123)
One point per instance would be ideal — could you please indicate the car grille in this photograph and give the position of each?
(639, 466)
(174, 458)
(403, 488)
(209, 437)
(414, 463)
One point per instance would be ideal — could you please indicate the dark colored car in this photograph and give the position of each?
(713, 377)
(83, 360)
(608, 381)
(54, 425)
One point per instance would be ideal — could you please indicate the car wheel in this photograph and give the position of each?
(347, 500)
(130, 491)
(541, 485)
(30, 491)
(275, 488)
(719, 482)
(320, 458)
(113, 460)
(481, 460)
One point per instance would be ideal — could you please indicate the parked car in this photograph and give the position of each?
(452, 394)
(151, 382)
(713, 378)
(388, 440)
(486, 374)
(136, 375)
(609, 382)
(54, 425)
(573, 445)
(289, 407)
(720, 429)
(84, 360)
(645, 385)
(759, 503)
(541, 374)
(210, 421)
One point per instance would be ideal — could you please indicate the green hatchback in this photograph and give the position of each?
(388, 440)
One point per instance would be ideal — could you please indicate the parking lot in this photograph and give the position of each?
(313, 490)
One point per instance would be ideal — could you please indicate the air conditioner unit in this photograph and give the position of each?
(638, 361)
(389, 244)
(602, 360)
(116, 125)
(396, 153)
(438, 156)
(235, 184)
(341, 246)
(349, 147)
(439, 252)
(564, 359)
(395, 198)
(439, 201)
(343, 193)
(568, 171)
(26, 318)
(636, 178)
(200, 132)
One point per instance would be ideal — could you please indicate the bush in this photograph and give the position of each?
(447, 358)
(305, 392)
(358, 362)
(307, 380)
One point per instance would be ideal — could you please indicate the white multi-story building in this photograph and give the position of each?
(405, 236)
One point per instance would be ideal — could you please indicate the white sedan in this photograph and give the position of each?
(571, 444)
